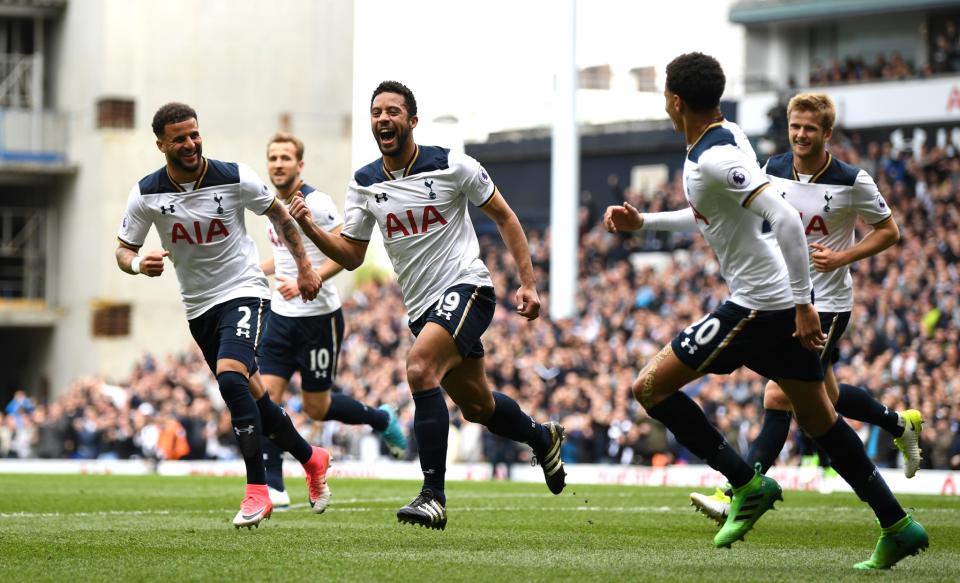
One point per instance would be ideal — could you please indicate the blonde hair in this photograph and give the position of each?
(817, 103)
(290, 138)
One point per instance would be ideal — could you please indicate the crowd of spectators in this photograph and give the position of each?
(943, 57)
(635, 291)
(856, 69)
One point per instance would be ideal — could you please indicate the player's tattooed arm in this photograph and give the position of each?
(307, 279)
(346, 253)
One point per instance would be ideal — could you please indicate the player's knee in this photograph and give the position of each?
(420, 375)
(775, 398)
(315, 409)
(643, 389)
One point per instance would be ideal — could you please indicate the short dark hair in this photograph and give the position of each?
(173, 112)
(399, 88)
(698, 79)
(285, 137)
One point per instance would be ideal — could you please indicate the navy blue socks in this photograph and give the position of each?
(692, 429)
(245, 418)
(431, 427)
(851, 462)
(279, 428)
(273, 463)
(769, 442)
(857, 403)
(508, 420)
(352, 412)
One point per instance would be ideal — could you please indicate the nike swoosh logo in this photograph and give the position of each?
(252, 516)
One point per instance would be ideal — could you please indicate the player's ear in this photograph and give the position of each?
(827, 135)
(160, 145)
(413, 121)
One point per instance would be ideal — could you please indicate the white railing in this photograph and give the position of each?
(32, 136)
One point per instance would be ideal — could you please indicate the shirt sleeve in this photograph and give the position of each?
(788, 229)
(475, 183)
(681, 221)
(254, 194)
(136, 221)
(324, 211)
(867, 200)
(358, 221)
(740, 174)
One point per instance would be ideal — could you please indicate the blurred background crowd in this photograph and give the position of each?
(636, 292)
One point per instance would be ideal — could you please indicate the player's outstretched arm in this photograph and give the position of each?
(129, 261)
(307, 279)
(528, 301)
(625, 218)
(622, 218)
(347, 254)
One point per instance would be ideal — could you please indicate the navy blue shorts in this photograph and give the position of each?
(230, 330)
(734, 336)
(465, 311)
(310, 344)
(833, 324)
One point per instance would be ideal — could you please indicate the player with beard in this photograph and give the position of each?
(307, 336)
(417, 196)
(197, 206)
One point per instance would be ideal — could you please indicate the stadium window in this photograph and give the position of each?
(595, 77)
(113, 112)
(111, 320)
(646, 78)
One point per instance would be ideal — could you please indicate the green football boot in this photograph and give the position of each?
(903, 539)
(747, 506)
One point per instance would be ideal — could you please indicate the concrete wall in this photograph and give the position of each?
(249, 68)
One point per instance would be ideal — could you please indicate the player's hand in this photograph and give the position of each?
(299, 210)
(152, 263)
(622, 218)
(528, 302)
(287, 286)
(308, 282)
(825, 258)
(808, 330)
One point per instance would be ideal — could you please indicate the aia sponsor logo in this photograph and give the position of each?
(197, 233)
(408, 223)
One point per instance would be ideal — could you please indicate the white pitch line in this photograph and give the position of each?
(362, 506)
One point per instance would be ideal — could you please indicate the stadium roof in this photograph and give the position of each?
(30, 8)
(774, 11)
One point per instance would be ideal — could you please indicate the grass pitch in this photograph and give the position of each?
(116, 528)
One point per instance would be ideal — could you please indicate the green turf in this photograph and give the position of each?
(115, 528)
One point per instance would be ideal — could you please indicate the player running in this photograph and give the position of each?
(769, 324)
(417, 196)
(830, 196)
(197, 206)
(307, 336)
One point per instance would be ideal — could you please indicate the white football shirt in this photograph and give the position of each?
(422, 215)
(203, 229)
(721, 178)
(829, 203)
(327, 217)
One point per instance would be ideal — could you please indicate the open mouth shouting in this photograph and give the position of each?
(387, 137)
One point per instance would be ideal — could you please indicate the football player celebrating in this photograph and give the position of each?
(417, 196)
(197, 206)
